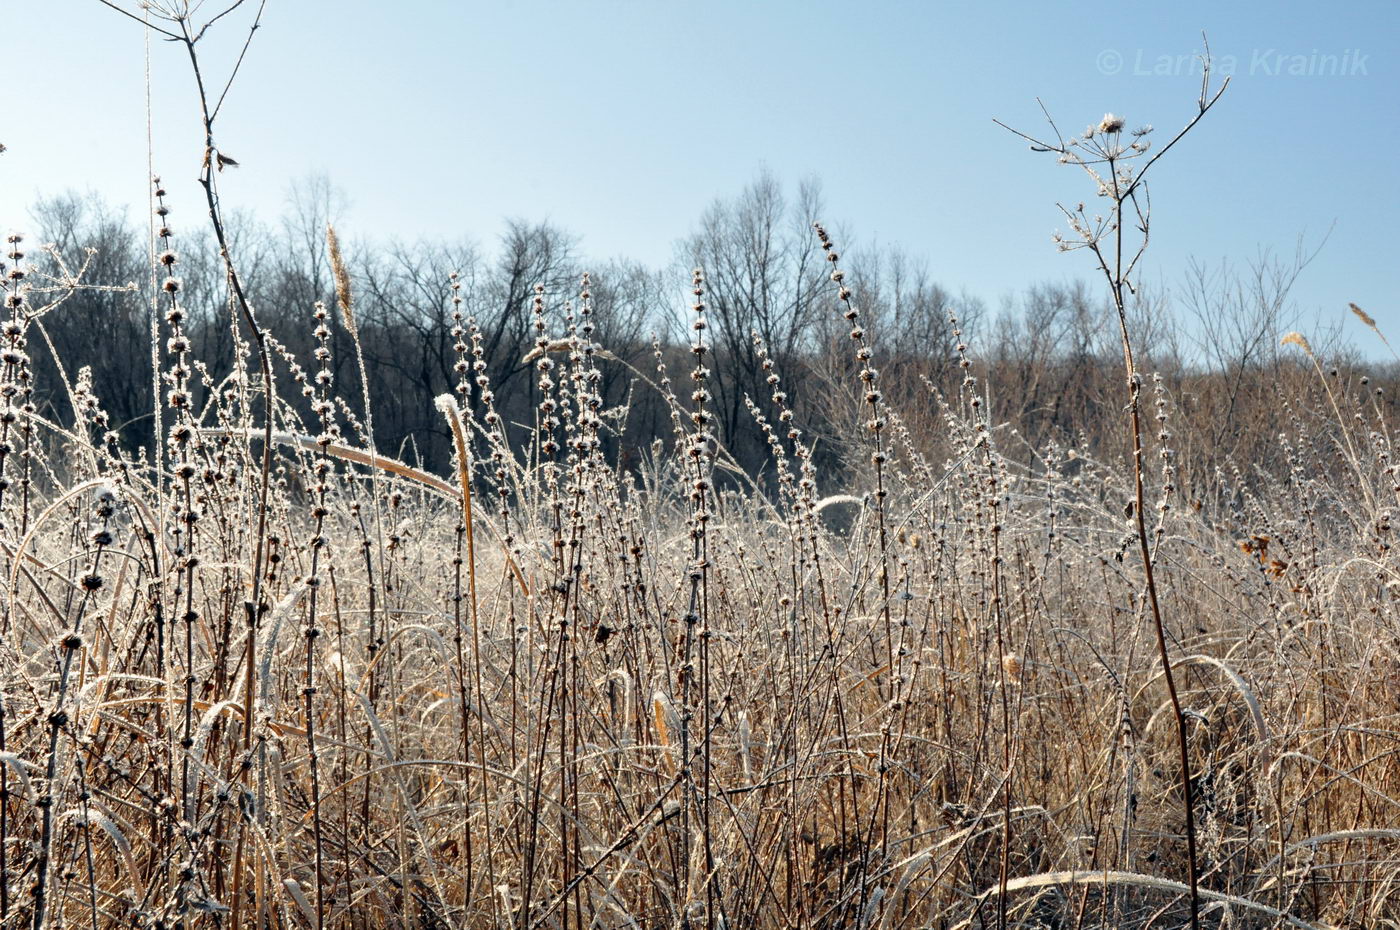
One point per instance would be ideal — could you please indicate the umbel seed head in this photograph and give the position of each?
(1111, 123)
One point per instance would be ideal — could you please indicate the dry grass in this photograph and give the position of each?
(660, 697)
(267, 676)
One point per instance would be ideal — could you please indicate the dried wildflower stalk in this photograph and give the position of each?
(1111, 162)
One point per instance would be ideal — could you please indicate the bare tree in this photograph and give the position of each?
(764, 275)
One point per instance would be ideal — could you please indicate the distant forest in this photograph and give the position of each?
(1048, 360)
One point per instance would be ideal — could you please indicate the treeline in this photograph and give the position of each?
(1046, 361)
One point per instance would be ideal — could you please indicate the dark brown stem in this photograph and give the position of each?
(252, 608)
(1117, 284)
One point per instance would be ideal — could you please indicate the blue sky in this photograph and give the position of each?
(620, 120)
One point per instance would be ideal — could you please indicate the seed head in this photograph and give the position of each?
(1111, 123)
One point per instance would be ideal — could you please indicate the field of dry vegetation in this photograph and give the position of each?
(944, 671)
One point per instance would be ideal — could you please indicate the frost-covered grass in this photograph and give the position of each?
(668, 695)
(264, 675)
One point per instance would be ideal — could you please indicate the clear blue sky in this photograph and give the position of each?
(620, 120)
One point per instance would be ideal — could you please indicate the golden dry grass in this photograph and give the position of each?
(662, 699)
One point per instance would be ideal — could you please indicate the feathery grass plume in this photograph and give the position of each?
(1363, 316)
(1366, 318)
(342, 279)
(1299, 340)
(539, 351)
(662, 713)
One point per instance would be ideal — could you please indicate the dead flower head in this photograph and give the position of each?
(1111, 123)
